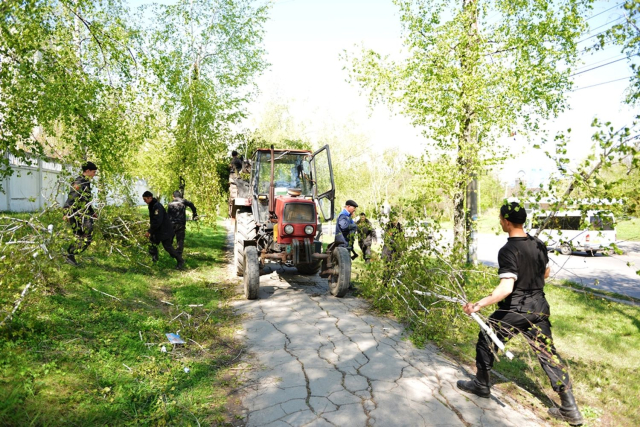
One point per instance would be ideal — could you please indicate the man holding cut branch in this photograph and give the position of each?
(522, 307)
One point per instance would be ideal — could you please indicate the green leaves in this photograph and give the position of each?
(466, 79)
(201, 58)
(66, 82)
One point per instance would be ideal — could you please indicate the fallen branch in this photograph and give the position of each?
(196, 343)
(104, 293)
(17, 304)
(475, 317)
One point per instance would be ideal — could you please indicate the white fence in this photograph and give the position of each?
(35, 184)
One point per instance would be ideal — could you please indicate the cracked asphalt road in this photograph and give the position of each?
(317, 360)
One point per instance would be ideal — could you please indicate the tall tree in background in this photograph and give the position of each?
(203, 56)
(473, 71)
(66, 76)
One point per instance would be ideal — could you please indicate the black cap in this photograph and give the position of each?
(147, 194)
(362, 214)
(234, 153)
(351, 203)
(89, 166)
(513, 212)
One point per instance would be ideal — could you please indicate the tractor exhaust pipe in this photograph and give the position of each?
(272, 192)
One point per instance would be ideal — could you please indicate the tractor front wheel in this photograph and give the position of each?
(340, 280)
(251, 277)
(245, 230)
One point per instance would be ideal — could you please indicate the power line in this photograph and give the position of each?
(598, 62)
(600, 84)
(607, 23)
(594, 68)
(601, 32)
(604, 11)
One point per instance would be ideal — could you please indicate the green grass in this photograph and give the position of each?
(628, 229)
(74, 355)
(487, 223)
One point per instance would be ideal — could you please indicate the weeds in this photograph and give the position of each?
(88, 345)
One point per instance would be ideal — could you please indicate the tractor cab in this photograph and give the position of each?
(297, 174)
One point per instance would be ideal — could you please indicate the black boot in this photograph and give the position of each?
(480, 385)
(568, 410)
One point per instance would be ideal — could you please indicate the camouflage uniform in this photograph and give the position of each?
(177, 214)
(80, 213)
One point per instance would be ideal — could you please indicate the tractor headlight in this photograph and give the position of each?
(308, 229)
(288, 228)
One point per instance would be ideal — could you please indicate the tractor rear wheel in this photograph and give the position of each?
(340, 280)
(245, 230)
(251, 273)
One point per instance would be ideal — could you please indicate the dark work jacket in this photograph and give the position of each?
(177, 211)
(79, 196)
(160, 226)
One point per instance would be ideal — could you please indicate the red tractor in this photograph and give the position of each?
(276, 217)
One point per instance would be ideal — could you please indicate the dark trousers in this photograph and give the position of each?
(365, 245)
(82, 227)
(534, 323)
(179, 229)
(167, 244)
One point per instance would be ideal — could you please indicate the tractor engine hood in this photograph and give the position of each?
(297, 218)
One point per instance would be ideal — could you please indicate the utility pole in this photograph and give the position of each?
(472, 220)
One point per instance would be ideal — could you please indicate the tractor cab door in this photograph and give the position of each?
(324, 189)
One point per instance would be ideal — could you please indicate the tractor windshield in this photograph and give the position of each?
(288, 172)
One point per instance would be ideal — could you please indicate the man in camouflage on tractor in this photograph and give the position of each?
(346, 228)
(160, 230)
(177, 211)
(366, 236)
(79, 212)
(236, 162)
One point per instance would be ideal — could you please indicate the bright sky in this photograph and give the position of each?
(304, 41)
(305, 38)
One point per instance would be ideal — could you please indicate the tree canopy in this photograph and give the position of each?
(473, 71)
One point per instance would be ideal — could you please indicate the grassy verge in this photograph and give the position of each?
(600, 341)
(628, 229)
(89, 349)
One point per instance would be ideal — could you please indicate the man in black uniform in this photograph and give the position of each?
(79, 212)
(177, 211)
(522, 307)
(366, 236)
(236, 162)
(160, 230)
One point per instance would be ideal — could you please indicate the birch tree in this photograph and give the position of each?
(66, 75)
(473, 71)
(202, 57)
